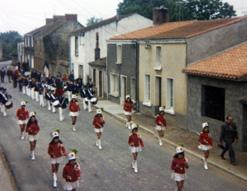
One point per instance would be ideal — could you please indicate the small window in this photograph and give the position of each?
(76, 46)
(158, 58)
(114, 84)
(170, 94)
(213, 102)
(147, 92)
(119, 54)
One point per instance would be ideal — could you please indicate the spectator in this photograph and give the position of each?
(9, 74)
(2, 74)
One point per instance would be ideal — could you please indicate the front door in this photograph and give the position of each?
(244, 130)
(123, 88)
(100, 84)
(158, 91)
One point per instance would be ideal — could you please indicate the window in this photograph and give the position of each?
(76, 46)
(147, 93)
(119, 54)
(213, 102)
(158, 58)
(94, 76)
(114, 84)
(170, 96)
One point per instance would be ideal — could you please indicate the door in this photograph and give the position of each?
(244, 130)
(100, 84)
(123, 88)
(158, 91)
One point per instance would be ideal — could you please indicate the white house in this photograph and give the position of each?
(20, 52)
(83, 42)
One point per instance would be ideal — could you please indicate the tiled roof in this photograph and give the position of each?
(183, 29)
(230, 64)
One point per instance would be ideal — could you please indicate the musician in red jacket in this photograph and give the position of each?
(136, 144)
(57, 152)
(98, 123)
(32, 130)
(205, 143)
(74, 110)
(160, 122)
(22, 115)
(128, 109)
(71, 173)
(179, 164)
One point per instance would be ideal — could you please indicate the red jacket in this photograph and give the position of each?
(135, 140)
(205, 139)
(71, 172)
(22, 114)
(160, 120)
(59, 92)
(98, 121)
(33, 128)
(178, 165)
(128, 106)
(74, 106)
(56, 150)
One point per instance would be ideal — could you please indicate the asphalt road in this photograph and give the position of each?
(105, 170)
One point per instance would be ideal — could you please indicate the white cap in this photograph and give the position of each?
(99, 111)
(204, 125)
(127, 96)
(161, 109)
(74, 96)
(133, 126)
(55, 134)
(32, 114)
(23, 103)
(71, 156)
(179, 150)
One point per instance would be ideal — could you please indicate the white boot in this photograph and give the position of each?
(84, 104)
(32, 155)
(60, 111)
(49, 105)
(100, 147)
(133, 164)
(97, 143)
(54, 180)
(205, 164)
(73, 128)
(89, 106)
(22, 136)
(160, 142)
(41, 100)
(135, 167)
(53, 109)
(36, 96)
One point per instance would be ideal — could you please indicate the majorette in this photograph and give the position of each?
(128, 109)
(74, 110)
(160, 126)
(98, 123)
(22, 115)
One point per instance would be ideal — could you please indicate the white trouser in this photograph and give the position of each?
(32, 93)
(84, 104)
(3, 110)
(28, 91)
(89, 106)
(41, 100)
(24, 89)
(60, 112)
(49, 105)
(36, 96)
(53, 108)
(69, 94)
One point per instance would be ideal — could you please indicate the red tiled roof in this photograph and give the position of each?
(182, 29)
(230, 64)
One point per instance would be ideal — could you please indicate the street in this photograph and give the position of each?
(105, 170)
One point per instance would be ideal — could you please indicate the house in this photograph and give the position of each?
(20, 52)
(85, 42)
(50, 44)
(217, 86)
(164, 50)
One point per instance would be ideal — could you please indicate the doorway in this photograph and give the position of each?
(100, 84)
(158, 91)
(123, 89)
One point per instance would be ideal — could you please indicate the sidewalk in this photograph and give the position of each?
(175, 135)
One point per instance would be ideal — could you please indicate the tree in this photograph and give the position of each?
(93, 20)
(9, 42)
(179, 9)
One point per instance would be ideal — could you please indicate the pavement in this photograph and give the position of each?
(175, 136)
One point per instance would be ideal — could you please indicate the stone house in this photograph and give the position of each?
(217, 86)
(20, 52)
(164, 50)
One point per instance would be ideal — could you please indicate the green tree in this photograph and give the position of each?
(93, 20)
(9, 42)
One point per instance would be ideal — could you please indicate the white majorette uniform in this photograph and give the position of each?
(160, 124)
(178, 166)
(72, 173)
(57, 151)
(22, 115)
(74, 110)
(205, 143)
(32, 130)
(136, 144)
(98, 123)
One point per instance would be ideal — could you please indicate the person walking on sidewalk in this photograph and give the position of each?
(160, 122)
(57, 151)
(128, 109)
(22, 115)
(136, 144)
(32, 130)
(2, 74)
(228, 136)
(98, 123)
(179, 164)
(72, 173)
(74, 110)
(205, 143)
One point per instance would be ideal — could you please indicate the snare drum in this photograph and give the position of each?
(56, 103)
(9, 104)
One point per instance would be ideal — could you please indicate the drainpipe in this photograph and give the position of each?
(137, 76)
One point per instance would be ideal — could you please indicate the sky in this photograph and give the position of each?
(25, 15)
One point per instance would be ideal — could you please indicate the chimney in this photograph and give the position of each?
(58, 18)
(71, 17)
(48, 21)
(97, 49)
(160, 15)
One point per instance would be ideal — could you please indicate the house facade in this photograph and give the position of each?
(20, 52)
(217, 86)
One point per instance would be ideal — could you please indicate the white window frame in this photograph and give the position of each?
(158, 58)
(114, 85)
(170, 106)
(76, 46)
(147, 90)
(119, 53)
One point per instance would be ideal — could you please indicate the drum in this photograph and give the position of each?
(56, 103)
(94, 100)
(9, 104)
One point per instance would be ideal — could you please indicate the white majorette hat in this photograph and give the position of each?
(23, 103)
(133, 126)
(71, 156)
(161, 109)
(179, 150)
(99, 111)
(204, 125)
(32, 114)
(54, 134)
(127, 96)
(74, 96)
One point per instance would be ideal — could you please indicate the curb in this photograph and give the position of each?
(194, 154)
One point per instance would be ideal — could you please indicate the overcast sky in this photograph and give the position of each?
(26, 15)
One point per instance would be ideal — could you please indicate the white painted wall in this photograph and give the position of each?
(87, 42)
